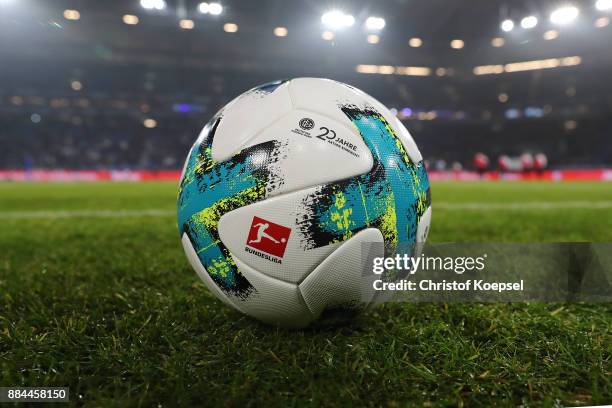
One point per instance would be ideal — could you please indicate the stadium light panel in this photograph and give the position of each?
(498, 42)
(570, 61)
(415, 42)
(528, 65)
(186, 24)
(72, 14)
(389, 69)
(215, 9)
(488, 69)
(153, 4)
(230, 27)
(76, 85)
(373, 39)
(336, 19)
(367, 69)
(17, 100)
(529, 22)
(149, 123)
(602, 22)
(512, 113)
(280, 31)
(204, 8)
(564, 15)
(457, 44)
(375, 23)
(551, 34)
(507, 25)
(130, 19)
(386, 69)
(327, 35)
(406, 112)
(413, 71)
(532, 65)
(570, 125)
(603, 5)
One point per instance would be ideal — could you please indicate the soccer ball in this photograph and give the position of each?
(284, 187)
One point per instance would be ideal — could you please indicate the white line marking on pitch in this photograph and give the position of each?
(550, 205)
(86, 214)
(52, 214)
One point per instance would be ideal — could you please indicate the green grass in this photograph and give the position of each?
(110, 308)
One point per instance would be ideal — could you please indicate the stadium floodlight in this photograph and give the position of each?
(367, 69)
(130, 19)
(529, 22)
(551, 34)
(602, 22)
(457, 44)
(564, 15)
(186, 24)
(72, 14)
(415, 42)
(327, 35)
(149, 123)
(603, 5)
(498, 42)
(230, 27)
(336, 19)
(76, 85)
(373, 39)
(204, 8)
(215, 9)
(153, 4)
(375, 23)
(280, 31)
(507, 25)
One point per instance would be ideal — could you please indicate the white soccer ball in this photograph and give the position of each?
(283, 187)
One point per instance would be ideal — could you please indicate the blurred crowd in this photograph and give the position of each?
(137, 142)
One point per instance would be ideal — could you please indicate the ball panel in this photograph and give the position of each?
(210, 189)
(240, 231)
(423, 229)
(406, 138)
(402, 133)
(421, 236)
(325, 96)
(273, 301)
(344, 279)
(315, 150)
(394, 194)
(195, 263)
(248, 115)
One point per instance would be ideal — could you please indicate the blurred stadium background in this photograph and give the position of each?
(120, 89)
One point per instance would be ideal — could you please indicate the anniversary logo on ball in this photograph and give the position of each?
(306, 123)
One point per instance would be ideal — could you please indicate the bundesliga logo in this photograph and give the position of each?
(268, 237)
